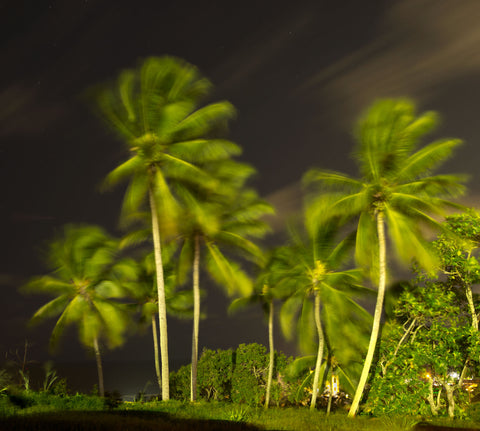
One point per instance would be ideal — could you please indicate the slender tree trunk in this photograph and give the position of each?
(431, 399)
(471, 306)
(98, 358)
(162, 308)
(272, 353)
(330, 396)
(196, 319)
(450, 399)
(155, 351)
(321, 343)
(376, 318)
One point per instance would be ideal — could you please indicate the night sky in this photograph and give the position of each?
(299, 73)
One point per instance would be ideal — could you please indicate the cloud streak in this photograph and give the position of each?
(421, 45)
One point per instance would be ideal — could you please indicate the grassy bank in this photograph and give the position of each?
(179, 416)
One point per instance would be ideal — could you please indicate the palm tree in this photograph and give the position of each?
(82, 262)
(276, 266)
(226, 219)
(155, 109)
(143, 290)
(396, 189)
(316, 274)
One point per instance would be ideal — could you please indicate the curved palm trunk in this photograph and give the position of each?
(272, 353)
(196, 319)
(376, 317)
(162, 309)
(321, 343)
(98, 358)
(155, 351)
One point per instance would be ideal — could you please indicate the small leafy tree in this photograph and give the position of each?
(436, 331)
(425, 355)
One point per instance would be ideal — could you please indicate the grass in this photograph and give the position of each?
(179, 416)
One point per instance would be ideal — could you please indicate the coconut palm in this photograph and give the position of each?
(226, 220)
(83, 262)
(319, 288)
(396, 189)
(156, 111)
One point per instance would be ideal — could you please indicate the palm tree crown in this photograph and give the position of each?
(85, 288)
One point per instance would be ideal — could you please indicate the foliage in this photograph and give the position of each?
(321, 295)
(425, 354)
(250, 374)
(82, 260)
(215, 371)
(156, 111)
(233, 375)
(396, 189)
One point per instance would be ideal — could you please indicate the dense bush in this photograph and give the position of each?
(238, 375)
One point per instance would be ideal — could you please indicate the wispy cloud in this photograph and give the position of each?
(421, 45)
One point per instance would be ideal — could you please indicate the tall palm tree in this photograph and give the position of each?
(395, 188)
(319, 287)
(227, 219)
(156, 110)
(82, 262)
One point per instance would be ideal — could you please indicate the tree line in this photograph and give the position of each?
(188, 210)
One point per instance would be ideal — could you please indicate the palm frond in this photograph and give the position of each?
(123, 171)
(201, 121)
(425, 160)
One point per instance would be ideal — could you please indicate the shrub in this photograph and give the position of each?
(233, 375)
(215, 369)
(180, 384)
(250, 374)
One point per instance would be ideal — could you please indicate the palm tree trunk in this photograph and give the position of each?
(98, 358)
(272, 353)
(196, 319)
(155, 351)
(376, 317)
(321, 343)
(162, 309)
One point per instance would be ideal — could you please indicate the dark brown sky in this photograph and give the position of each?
(299, 73)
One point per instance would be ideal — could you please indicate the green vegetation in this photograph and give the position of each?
(84, 284)
(396, 189)
(189, 211)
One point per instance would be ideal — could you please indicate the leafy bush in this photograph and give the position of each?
(215, 370)
(180, 384)
(250, 374)
(232, 375)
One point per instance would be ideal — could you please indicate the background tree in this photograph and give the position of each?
(425, 353)
(319, 288)
(155, 109)
(397, 189)
(225, 221)
(82, 261)
(458, 251)
(274, 269)
(143, 290)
